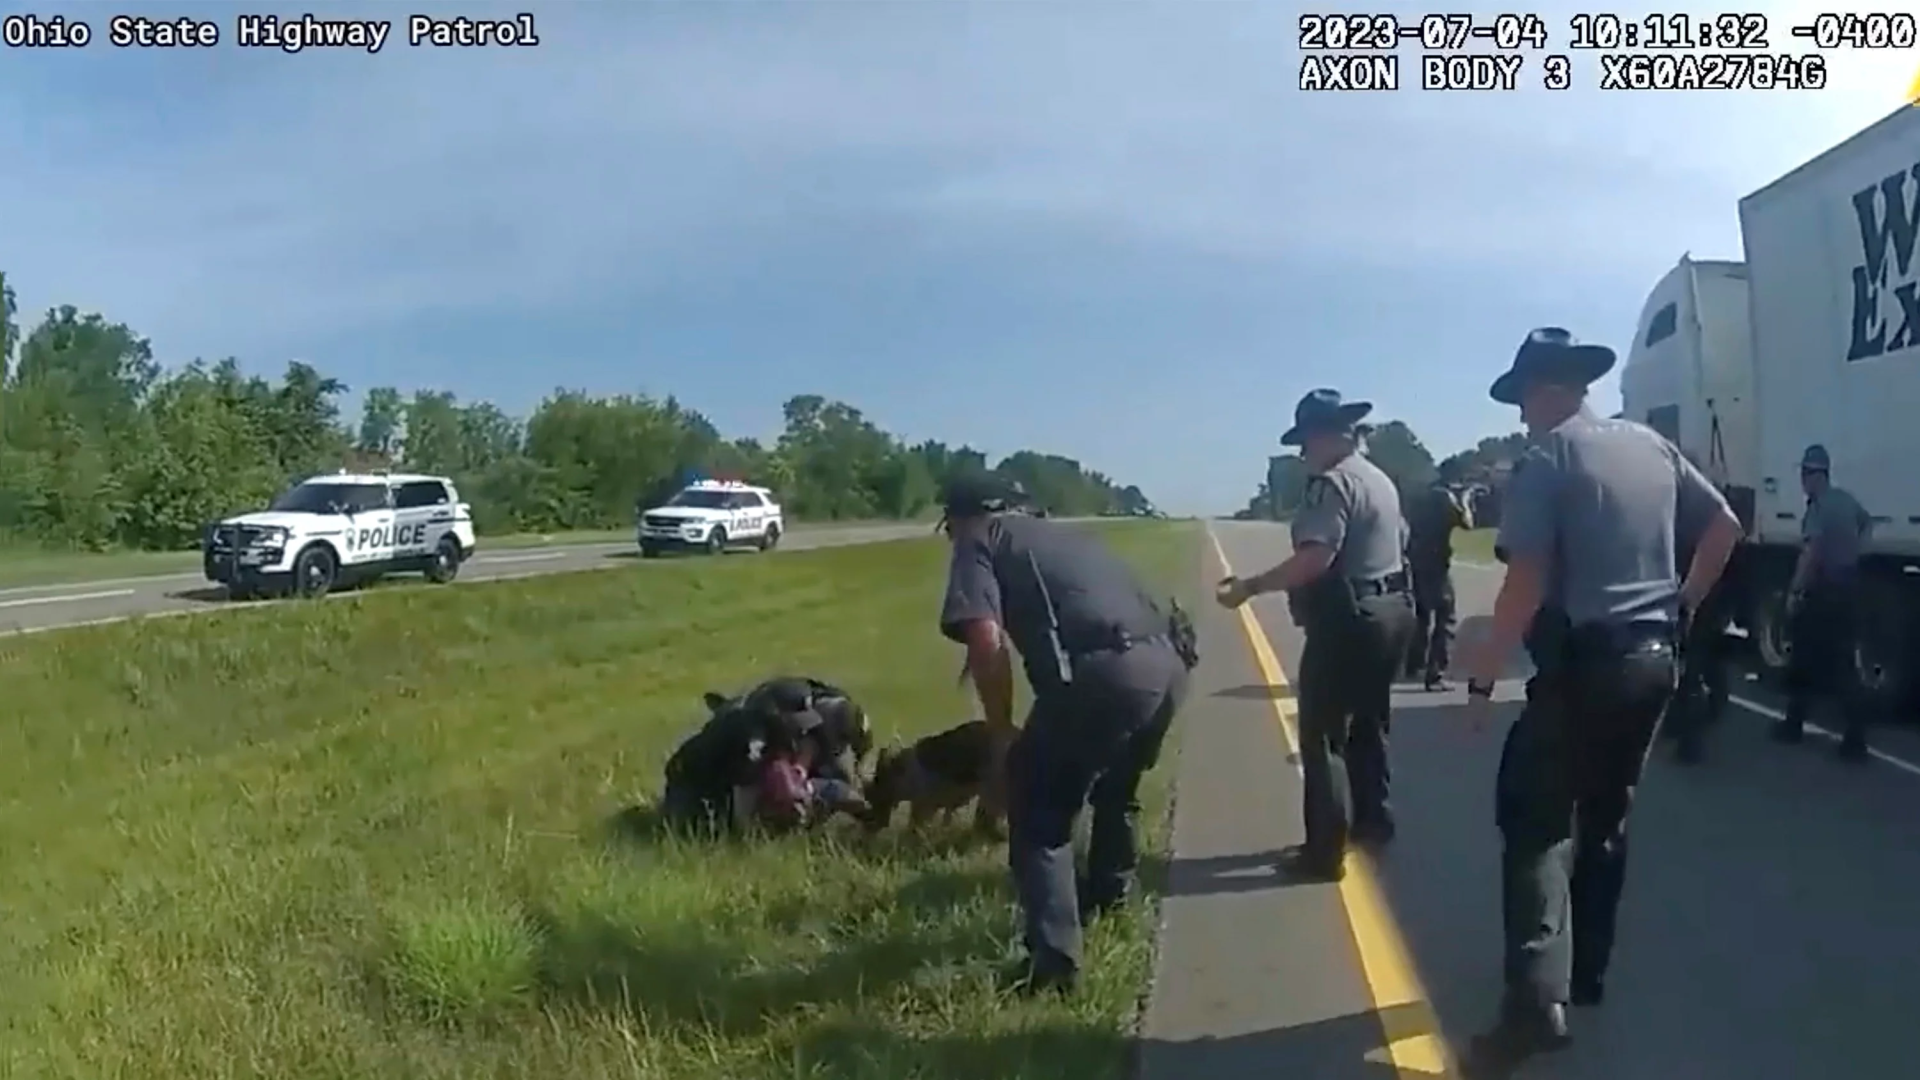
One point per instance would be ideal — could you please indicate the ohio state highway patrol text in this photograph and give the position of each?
(288, 33)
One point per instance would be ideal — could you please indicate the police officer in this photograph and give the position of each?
(1435, 514)
(1587, 532)
(1107, 666)
(1348, 583)
(1821, 606)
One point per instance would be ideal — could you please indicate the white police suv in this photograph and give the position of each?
(342, 529)
(711, 516)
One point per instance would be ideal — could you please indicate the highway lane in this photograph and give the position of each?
(1769, 929)
(46, 607)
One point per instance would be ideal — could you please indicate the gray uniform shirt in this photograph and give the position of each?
(1837, 526)
(1354, 509)
(1029, 573)
(1603, 504)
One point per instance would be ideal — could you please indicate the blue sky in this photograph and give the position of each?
(1116, 231)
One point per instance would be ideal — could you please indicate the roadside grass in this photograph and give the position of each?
(384, 837)
(26, 565)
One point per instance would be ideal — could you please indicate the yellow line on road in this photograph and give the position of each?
(1414, 1042)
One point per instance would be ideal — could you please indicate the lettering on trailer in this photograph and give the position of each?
(1886, 291)
(400, 536)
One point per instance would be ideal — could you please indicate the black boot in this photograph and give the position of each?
(1789, 730)
(1304, 866)
(1522, 1033)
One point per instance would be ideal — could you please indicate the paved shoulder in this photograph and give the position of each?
(1255, 977)
(1768, 928)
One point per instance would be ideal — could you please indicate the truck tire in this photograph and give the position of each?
(717, 541)
(1881, 648)
(314, 572)
(770, 538)
(444, 565)
(1767, 625)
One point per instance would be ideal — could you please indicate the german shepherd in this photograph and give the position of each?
(938, 775)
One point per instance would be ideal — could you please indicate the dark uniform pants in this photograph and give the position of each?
(1567, 778)
(1821, 664)
(1089, 743)
(1702, 694)
(1433, 613)
(1347, 668)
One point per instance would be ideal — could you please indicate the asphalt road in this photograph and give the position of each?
(1770, 929)
(46, 607)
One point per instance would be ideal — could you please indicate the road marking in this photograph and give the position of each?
(1415, 1044)
(1772, 713)
(66, 598)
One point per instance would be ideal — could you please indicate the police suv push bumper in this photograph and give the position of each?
(662, 530)
(247, 556)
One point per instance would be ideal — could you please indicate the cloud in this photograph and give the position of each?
(1075, 184)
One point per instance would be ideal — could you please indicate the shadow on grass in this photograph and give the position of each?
(1062, 1048)
(699, 976)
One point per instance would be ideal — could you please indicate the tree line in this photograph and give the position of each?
(102, 446)
(1399, 453)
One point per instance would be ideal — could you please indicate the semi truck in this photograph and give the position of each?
(1813, 337)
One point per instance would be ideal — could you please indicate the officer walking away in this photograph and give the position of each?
(1821, 607)
(1348, 585)
(1108, 668)
(1587, 532)
(1435, 514)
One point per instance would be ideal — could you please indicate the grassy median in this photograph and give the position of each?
(379, 837)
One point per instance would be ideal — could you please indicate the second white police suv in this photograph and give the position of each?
(711, 516)
(342, 529)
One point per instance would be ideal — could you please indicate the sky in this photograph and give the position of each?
(1116, 231)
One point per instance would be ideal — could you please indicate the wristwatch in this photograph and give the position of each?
(1479, 689)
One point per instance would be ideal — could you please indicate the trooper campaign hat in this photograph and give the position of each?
(1816, 459)
(1551, 354)
(1325, 412)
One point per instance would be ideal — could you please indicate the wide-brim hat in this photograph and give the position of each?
(1551, 354)
(979, 492)
(1816, 459)
(1324, 412)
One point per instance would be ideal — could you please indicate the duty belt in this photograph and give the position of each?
(1395, 582)
(1121, 642)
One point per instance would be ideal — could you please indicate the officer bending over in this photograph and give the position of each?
(1821, 608)
(1107, 667)
(1347, 581)
(1435, 514)
(1587, 532)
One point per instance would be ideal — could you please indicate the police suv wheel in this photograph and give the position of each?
(770, 538)
(445, 564)
(716, 541)
(314, 573)
(649, 551)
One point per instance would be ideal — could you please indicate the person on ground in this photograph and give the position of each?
(1348, 586)
(1107, 669)
(1588, 531)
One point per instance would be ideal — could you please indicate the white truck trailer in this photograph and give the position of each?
(1814, 338)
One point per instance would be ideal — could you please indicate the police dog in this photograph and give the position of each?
(938, 775)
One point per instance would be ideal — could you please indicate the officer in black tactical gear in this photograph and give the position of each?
(1347, 581)
(1821, 618)
(1588, 531)
(1431, 520)
(1108, 667)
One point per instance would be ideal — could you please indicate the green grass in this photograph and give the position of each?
(379, 838)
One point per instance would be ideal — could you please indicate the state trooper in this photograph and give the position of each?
(1435, 514)
(1588, 531)
(1108, 669)
(1821, 607)
(1347, 583)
